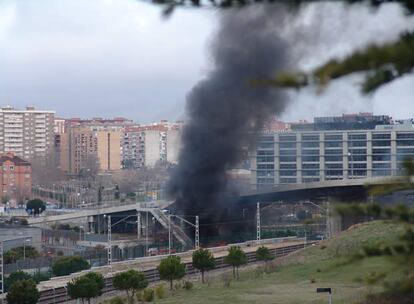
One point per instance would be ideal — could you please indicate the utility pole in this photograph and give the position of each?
(197, 233)
(138, 225)
(169, 233)
(258, 235)
(109, 242)
(1, 269)
(146, 235)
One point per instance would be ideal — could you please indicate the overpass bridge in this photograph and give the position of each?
(345, 188)
(97, 215)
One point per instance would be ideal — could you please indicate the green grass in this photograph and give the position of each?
(291, 282)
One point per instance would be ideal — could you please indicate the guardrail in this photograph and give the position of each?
(59, 295)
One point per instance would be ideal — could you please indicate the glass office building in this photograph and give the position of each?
(313, 156)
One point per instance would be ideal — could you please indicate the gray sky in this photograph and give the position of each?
(120, 58)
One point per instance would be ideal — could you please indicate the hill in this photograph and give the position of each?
(294, 279)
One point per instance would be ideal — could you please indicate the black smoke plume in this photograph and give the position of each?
(226, 111)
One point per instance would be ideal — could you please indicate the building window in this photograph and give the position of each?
(333, 144)
(381, 136)
(357, 144)
(310, 166)
(288, 166)
(405, 135)
(288, 180)
(405, 142)
(333, 158)
(310, 158)
(11, 168)
(287, 159)
(352, 136)
(288, 173)
(310, 137)
(333, 136)
(290, 137)
(381, 143)
(287, 145)
(310, 173)
(310, 144)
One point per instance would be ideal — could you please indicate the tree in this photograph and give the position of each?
(86, 287)
(235, 258)
(36, 206)
(203, 260)
(171, 269)
(263, 254)
(15, 277)
(131, 281)
(70, 264)
(23, 292)
(12, 255)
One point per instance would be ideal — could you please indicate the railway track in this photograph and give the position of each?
(59, 295)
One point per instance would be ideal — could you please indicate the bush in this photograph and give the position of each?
(188, 285)
(116, 300)
(70, 264)
(160, 291)
(148, 295)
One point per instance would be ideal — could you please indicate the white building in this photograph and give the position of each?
(27, 133)
(145, 146)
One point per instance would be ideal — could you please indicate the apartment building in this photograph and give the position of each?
(300, 156)
(87, 148)
(145, 146)
(89, 144)
(26, 133)
(16, 178)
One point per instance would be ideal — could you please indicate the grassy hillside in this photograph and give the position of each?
(296, 277)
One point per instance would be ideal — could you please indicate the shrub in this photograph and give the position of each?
(70, 264)
(116, 300)
(188, 285)
(160, 291)
(148, 295)
(313, 280)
